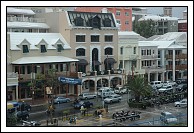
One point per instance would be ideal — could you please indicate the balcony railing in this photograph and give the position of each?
(180, 56)
(12, 75)
(177, 67)
(149, 56)
(26, 19)
(153, 68)
(133, 57)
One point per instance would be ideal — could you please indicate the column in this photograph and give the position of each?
(182, 74)
(148, 77)
(95, 84)
(166, 75)
(123, 64)
(156, 76)
(16, 92)
(162, 76)
(173, 66)
(109, 78)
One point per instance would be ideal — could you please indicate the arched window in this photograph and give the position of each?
(80, 52)
(108, 51)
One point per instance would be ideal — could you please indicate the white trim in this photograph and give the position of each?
(80, 34)
(109, 34)
(94, 34)
(107, 46)
(80, 47)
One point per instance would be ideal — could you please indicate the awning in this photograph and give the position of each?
(110, 61)
(96, 63)
(43, 59)
(70, 80)
(82, 62)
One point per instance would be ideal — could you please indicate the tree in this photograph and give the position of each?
(139, 86)
(144, 28)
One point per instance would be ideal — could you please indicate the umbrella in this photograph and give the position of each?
(12, 105)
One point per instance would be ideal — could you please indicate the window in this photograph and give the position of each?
(134, 50)
(95, 38)
(121, 50)
(43, 48)
(80, 52)
(118, 13)
(143, 52)
(107, 22)
(126, 13)
(96, 22)
(29, 69)
(153, 51)
(126, 22)
(149, 52)
(108, 38)
(22, 70)
(118, 21)
(79, 21)
(59, 48)
(25, 49)
(17, 69)
(80, 38)
(108, 51)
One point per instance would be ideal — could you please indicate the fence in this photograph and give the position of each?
(181, 121)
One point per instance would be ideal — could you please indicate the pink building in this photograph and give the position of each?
(123, 15)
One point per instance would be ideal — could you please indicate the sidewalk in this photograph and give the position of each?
(88, 120)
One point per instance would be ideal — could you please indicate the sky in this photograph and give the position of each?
(176, 11)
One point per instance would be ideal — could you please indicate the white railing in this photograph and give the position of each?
(149, 56)
(26, 19)
(12, 75)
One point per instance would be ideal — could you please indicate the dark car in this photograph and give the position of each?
(85, 104)
(24, 106)
(182, 87)
(22, 115)
(181, 81)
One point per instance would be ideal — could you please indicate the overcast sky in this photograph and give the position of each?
(176, 11)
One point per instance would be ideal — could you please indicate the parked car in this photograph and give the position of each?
(182, 87)
(181, 103)
(166, 83)
(167, 89)
(61, 100)
(22, 115)
(85, 104)
(168, 118)
(113, 98)
(87, 96)
(157, 84)
(120, 90)
(181, 81)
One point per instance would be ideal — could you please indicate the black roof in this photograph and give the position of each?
(105, 19)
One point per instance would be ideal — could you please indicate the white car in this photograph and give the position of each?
(167, 88)
(167, 118)
(113, 98)
(182, 103)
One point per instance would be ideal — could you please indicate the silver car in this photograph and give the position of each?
(61, 100)
(182, 103)
(113, 98)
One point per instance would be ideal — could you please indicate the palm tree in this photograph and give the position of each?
(139, 87)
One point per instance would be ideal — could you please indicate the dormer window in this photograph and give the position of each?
(96, 22)
(25, 49)
(59, 48)
(107, 22)
(79, 21)
(43, 48)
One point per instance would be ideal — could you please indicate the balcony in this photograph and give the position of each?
(180, 56)
(152, 69)
(133, 57)
(177, 67)
(12, 79)
(149, 56)
(26, 19)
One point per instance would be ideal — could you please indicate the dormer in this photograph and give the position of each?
(79, 21)
(95, 22)
(25, 46)
(42, 45)
(107, 22)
